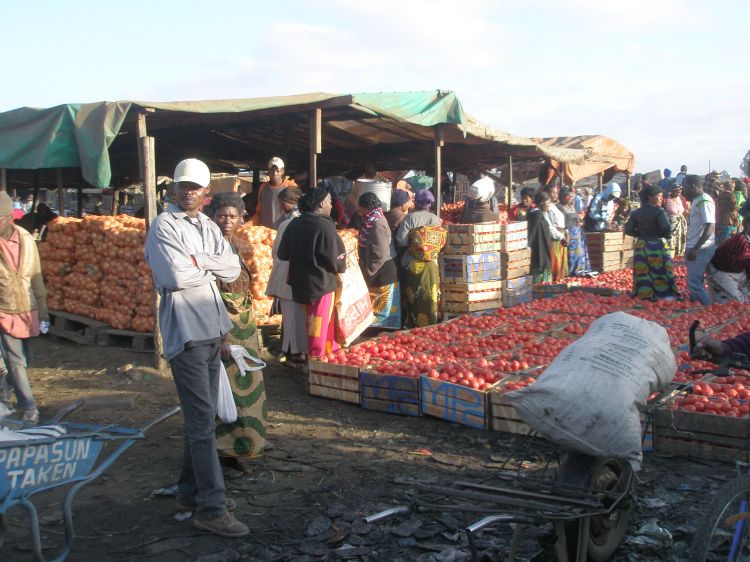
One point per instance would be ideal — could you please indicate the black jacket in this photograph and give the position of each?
(478, 213)
(539, 242)
(315, 254)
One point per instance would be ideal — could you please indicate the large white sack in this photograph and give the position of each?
(589, 399)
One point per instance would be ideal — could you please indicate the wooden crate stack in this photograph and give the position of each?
(515, 262)
(609, 251)
(470, 269)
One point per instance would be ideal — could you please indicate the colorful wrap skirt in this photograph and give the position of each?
(653, 273)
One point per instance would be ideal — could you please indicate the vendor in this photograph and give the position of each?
(601, 209)
(540, 239)
(400, 204)
(728, 270)
(267, 210)
(519, 212)
(478, 211)
(377, 260)
(559, 240)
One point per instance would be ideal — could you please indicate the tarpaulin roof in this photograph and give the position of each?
(396, 130)
(604, 154)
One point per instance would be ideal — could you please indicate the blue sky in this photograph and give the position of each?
(670, 79)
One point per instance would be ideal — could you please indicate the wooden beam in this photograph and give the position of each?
(601, 182)
(35, 200)
(439, 143)
(316, 144)
(148, 176)
(627, 182)
(60, 192)
(3, 179)
(510, 181)
(115, 201)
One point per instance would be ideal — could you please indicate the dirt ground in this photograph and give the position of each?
(327, 464)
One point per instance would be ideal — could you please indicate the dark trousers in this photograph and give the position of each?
(196, 376)
(16, 353)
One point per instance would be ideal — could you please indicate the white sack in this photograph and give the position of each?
(590, 397)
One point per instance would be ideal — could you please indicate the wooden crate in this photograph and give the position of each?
(470, 297)
(503, 417)
(545, 291)
(454, 403)
(339, 382)
(73, 327)
(604, 241)
(472, 238)
(142, 342)
(606, 261)
(514, 297)
(515, 264)
(514, 236)
(389, 393)
(472, 268)
(706, 436)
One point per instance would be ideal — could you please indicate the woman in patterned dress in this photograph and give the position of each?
(244, 438)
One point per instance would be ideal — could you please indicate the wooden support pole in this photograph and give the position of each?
(601, 182)
(627, 182)
(60, 192)
(148, 176)
(79, 198)
(115, 201)
(35, 197)
(316, 144)
(3, 179)
(439, 143)
(509, 198)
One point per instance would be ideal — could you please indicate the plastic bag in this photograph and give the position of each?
(353, 305)
(225, 407)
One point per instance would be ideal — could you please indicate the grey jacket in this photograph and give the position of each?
(413, 220)
(191, 309)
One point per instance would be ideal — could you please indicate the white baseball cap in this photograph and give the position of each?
(276, 161)
(194, 171)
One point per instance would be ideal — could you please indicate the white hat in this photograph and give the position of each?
(193, 171)
(276, 161)
(615, 188)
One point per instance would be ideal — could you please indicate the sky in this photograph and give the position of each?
(667, 78)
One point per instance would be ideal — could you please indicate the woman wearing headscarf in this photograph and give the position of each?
(400, 205)
(377, 260)
(726, 213)
(675, 206)
(559, 241)
(728, 271)
(540, 239)
(293, 323)
(244, 438)
(653, 273)
(478, 211)
(421, 279)
(316, 254)
(519, 212)
(578, 256)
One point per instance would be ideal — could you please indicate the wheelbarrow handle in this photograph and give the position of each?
(67, 410)
(160, 418)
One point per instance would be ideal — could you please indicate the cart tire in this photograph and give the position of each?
(605, 531)
(713, 537)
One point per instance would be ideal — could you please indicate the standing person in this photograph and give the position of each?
(700, 245)
(267, 210)
(243, 439)
(480, 193)
(653, 273)
(520, 211)
(377, 259)
(559, 242)
(740, 192)
(601, 209)
(578, 256)
(23, 307)
(674, 205)
(540, 239)
(728, 270)
(680, 177)
(421, 278)
(667, 181)
(293, 321)
(400, 204)
(726, 213)
(188, 255)
(316, 254)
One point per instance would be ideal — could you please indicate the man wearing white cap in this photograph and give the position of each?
(602, 208)
(268, 210)
(188, 254)
(477, 209)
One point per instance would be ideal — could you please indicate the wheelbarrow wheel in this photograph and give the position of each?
(605, 531)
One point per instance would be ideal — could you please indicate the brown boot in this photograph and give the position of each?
(224, 526)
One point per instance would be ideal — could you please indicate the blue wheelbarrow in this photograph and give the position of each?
(34, 465)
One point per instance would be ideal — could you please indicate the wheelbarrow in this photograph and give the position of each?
(34, 465)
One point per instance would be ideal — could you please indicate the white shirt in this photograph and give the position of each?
(702, 212)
